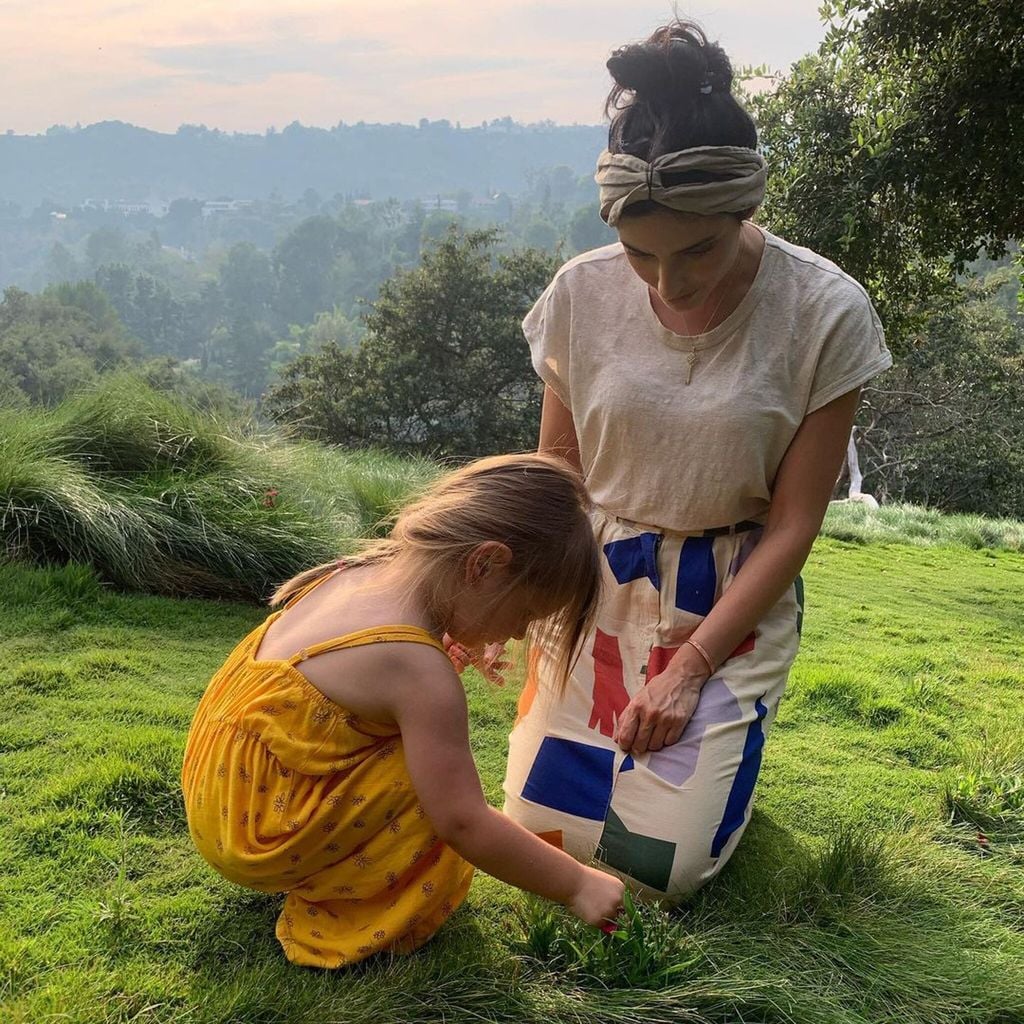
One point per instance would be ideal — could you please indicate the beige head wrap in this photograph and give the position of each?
(624, 180)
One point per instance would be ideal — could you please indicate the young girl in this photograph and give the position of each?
(329, 758)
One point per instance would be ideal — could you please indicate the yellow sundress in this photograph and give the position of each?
(287, 791)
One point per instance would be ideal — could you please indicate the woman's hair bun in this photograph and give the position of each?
(673, 91)
(676, 62)
(647, 75)
(719, 68)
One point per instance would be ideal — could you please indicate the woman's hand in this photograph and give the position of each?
(490, 662)
(657, 715)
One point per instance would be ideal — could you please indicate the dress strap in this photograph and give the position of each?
(364, 637)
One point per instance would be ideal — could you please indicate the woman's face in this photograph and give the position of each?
(682, 256)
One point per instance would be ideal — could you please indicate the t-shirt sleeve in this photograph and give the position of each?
(853, 352)
(547, 330)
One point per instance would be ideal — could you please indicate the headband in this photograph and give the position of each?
(624, 180)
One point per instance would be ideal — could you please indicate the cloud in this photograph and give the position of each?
(247, 64)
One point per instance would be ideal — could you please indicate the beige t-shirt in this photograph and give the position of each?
(694, 456)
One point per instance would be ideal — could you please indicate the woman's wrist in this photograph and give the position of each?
(703, 652)
(688, 668)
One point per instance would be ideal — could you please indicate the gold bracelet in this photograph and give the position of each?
(703, 653)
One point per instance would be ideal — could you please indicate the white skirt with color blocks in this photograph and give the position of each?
(666, 821)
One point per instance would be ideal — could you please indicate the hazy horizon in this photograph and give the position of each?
(250, 66)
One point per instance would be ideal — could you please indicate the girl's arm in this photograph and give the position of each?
(432, 716)
(558, 432)
(803, 485)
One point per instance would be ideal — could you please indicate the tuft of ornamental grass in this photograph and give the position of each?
(901, 523)
(168, 499)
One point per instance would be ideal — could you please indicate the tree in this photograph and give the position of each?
(305, 266)
(898, 149)
(247, 281)
(51, 344)
(943, 427)
(443, 368)
(587, 230)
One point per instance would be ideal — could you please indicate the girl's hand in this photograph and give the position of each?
(490, 662)
(598, 898)
(458, 655)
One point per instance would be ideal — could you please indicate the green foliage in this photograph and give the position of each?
(899, 523)
(986, 791)
(960, 66)
(162, 497)
(442, 369)
(648, 949)
(897, 149)
(52, 343)
(943, 427)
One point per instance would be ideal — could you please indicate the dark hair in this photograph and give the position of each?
(674, 91)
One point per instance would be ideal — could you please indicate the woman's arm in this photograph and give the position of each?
(658, 714)
(431, 713)
(557, 431)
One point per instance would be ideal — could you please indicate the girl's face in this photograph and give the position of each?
(491, 613)
(682, 256)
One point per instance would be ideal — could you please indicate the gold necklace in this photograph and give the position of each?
(691, 356)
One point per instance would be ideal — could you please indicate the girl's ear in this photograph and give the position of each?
(486, 558)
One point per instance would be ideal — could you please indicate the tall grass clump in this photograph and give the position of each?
(162, 497)
(924, 527)
(986, 791)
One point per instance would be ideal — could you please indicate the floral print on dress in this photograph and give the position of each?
(258, 725)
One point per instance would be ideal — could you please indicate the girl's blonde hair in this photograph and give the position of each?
(535, 504)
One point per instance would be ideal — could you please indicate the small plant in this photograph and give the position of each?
(116, 910)
(648, 950)
(986, 792)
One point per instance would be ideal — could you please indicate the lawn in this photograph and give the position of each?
(881, 879)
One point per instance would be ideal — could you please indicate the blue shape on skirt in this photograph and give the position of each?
(572, 777)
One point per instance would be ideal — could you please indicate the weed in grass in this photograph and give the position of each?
(117, 912)
(648, 950)
(986, 791)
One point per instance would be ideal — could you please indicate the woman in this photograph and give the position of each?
(703, 375)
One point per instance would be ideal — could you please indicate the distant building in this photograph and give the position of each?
(211, 207)
(437, 203)
(127, 208)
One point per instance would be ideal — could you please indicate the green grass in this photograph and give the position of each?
(162, 497)
(159, 497)
(861, 892)
(911, 524)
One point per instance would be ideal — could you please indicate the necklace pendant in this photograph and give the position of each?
(691, 358)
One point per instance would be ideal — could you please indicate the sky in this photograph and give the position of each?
(246, 66)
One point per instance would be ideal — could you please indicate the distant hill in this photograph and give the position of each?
(114, 160)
